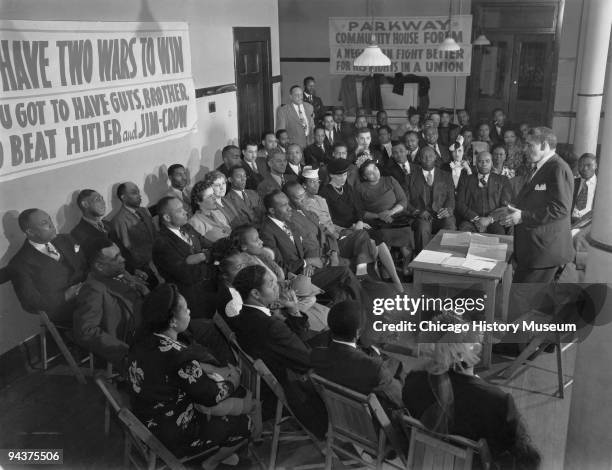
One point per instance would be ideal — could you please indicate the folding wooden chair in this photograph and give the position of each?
(431, 451)
(356, 419)
(141, 448)
(47, 325)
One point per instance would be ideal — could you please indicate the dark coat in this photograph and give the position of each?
(250, 209)
(544, 239)
(392, 168)
(85, 232)
(443, 191)
(469, 203)
(315, 155)
(134, 235)
(40, 282)
(288, 254)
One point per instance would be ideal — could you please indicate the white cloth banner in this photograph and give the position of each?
(410, 42)
(72, 91)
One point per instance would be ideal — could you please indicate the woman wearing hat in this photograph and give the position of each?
(180, 391)
(448, 398)
(458, 166)
(382, 201)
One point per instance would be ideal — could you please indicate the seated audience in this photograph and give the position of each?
(108, 307)
(343, 128)
(430, 135)
(331, 134)
(278, 234)
(411, 142)
(365, 149)
(246, 201)
(458, 167)
(133, 230)
(431, 199)
(345, 363)
(341, 153)
(448, 398)
(382, 201)
(276, 177)
(413, 124)
(282, 139)
(91, 226)
(295, 161)
(484, 135)
(255, 167)
(468, 138)
(208, 220)
(399, 166)
(499, 126)
(184, 396)
(231, 157)
(584, 186)
(218, 182)
(320, 151)
(384, 144)
(515, 152)
(498, 154)
(180, 255)
(268, 143)
(177, 175)
(48, 270)
(463, 118)
(447, 131)
(524, 131)
(478, 195)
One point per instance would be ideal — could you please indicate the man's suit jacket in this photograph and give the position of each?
(469, 203)
(317, 105)
(107, 314)
(290, 173)
(354, 369)
(269, 184)
(443, 191)
(40, 282)
(384, 155)
(335, 137)
(194, 281)
(543, 239)
(290, 255)
(315, 155)
(134, 235)
(254, 177)
(444, 155)
(287, 118)
(250, 208)
(392, 168)
(271, 340)
(84, 232)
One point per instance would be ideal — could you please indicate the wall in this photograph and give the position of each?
(304, 33)
(211, 37)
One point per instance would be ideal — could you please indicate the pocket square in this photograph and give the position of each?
(540, 187)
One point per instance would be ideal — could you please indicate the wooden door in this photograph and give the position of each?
(531, 78)
(253, 67)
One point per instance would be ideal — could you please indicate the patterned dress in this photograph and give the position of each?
(167, 380)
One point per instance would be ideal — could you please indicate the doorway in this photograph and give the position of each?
(517, 72)
(253, 68)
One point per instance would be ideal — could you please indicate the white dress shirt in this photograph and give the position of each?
(591, 185)
(299, 109)
(42, 247)
(265, 310)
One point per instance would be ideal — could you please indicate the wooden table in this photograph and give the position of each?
(427, 273)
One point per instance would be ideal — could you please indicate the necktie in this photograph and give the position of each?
(483, 182)
(532, 170)
(337, 126)
(429, 178)
(185, 235)
(288, 232)
(52, 252)
(139, 215)
(243, 196)
(302, 119)
(407, 168)
(282, 178)
(100, 226)
(583, 195)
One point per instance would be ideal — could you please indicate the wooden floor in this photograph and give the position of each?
(52, 411)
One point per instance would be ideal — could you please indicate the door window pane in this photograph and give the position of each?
(493, 70)
(531, 70)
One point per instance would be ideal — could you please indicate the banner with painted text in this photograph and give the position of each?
(74, 91)
(410, 42)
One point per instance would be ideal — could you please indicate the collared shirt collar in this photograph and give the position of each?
(592, 181)
(486, 177)
(425, 172)
(42, 247)
(265, 310)
(347, 343)
(93, 222)
(132, 210)
(278, 222)
(544, 160)
(295, 168)
(239, 192)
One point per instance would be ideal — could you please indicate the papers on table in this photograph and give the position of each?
(433, 257)
(487, 252)
(468, 264)
(454, 262)
(456, 239)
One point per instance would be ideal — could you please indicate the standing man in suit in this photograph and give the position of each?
(297, 118)
(108, 307)
(246, 201)
(479, 194)
(92, 225)
(311, 97)
(277, 173)
(181, 257)
(400, 167)
(133, 230)
(541, 212)
(430, 135)
(254, 171)
(278, 234)
(48, 270)
(177, 175)
(431, 199)
(320, 151)
(584, 186)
